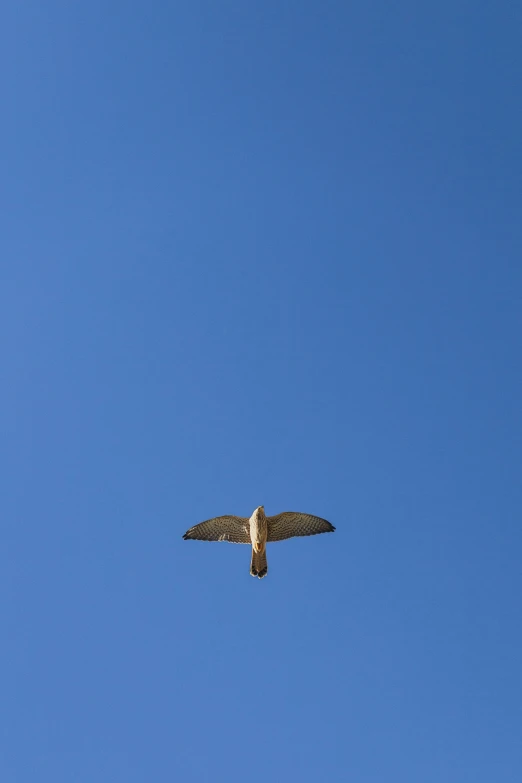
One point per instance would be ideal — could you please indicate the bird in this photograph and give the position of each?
(258, 531)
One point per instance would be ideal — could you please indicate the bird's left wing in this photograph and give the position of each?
(227, 528)
(293, 523)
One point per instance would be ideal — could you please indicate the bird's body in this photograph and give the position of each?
(258, 536)
(257, 531)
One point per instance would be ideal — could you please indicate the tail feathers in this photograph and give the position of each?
(258, 565)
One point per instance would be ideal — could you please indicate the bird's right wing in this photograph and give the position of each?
(293, 523)
(228, 528)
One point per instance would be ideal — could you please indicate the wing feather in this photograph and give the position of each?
(227, 528)
(292, 523)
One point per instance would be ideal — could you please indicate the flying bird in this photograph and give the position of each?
(258, 531)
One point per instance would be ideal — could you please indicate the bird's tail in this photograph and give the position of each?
(258, 565)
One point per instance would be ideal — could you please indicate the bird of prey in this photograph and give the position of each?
(258, 531)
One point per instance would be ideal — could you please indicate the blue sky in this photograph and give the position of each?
(261, 253)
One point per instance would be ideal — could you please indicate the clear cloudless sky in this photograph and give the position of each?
(260, 253)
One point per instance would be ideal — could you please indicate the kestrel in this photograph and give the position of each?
(258, 531)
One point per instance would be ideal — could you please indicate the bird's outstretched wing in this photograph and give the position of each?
(292, 523)
(228, 528)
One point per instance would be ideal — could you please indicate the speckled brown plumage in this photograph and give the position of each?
(257, 531)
